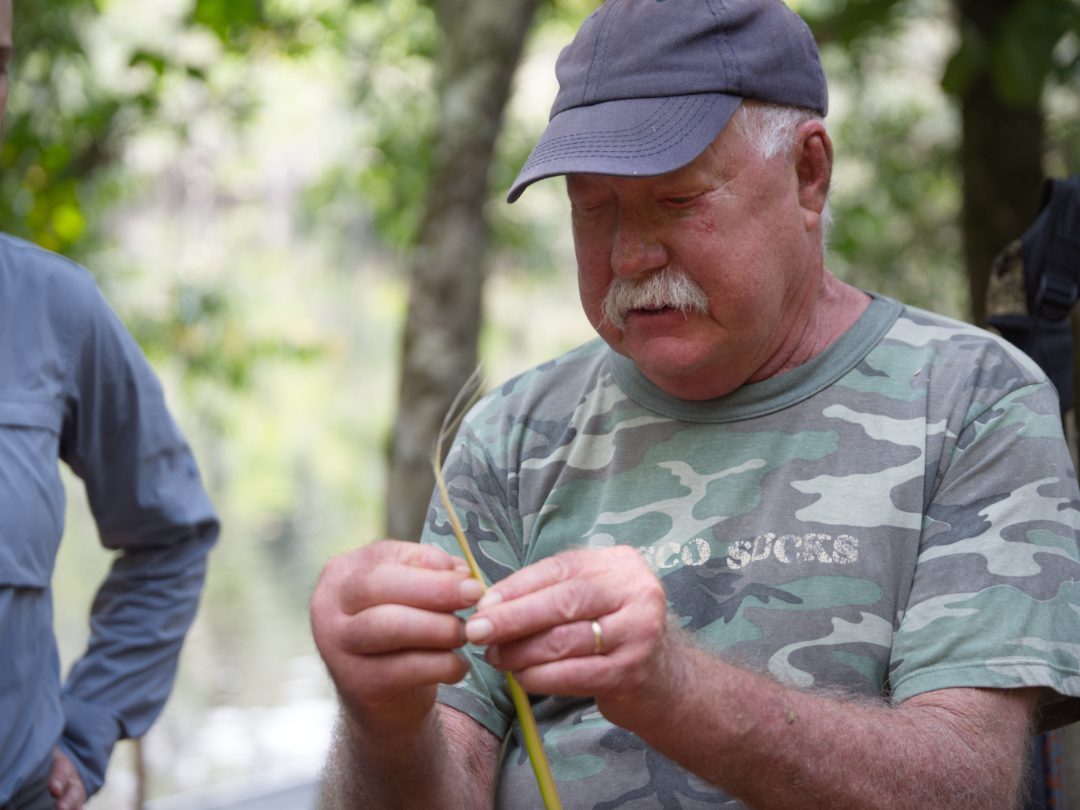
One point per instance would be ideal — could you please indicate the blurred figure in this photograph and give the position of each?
(74, 387)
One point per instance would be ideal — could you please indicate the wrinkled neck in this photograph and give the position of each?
(826, 311)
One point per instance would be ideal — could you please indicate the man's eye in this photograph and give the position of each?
(586, 207)
(684, 199)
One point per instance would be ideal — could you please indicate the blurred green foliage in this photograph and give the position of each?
(1023, 53)
(389, 49)
(253, 238)
(54, 141)
(67, 124)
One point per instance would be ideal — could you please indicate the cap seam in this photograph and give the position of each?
(599, 54)
(731, 61)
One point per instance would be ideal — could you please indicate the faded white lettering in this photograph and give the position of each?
(812, 547)
(669, 554)
(788, 549)
(696, 552)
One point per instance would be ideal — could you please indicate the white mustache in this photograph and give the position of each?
(667, 288)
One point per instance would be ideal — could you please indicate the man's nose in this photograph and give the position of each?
(637, 247)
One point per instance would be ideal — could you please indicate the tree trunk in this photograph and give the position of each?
(1000, 156)
(481, 45)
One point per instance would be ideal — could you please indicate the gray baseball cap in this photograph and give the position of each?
(646, 85)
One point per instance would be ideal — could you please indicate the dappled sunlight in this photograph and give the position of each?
(252, 230)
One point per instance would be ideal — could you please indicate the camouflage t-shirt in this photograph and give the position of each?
(898, 515)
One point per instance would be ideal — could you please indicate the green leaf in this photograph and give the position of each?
(155, 61)
(228, 18)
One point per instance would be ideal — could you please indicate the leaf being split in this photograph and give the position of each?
(468, 394)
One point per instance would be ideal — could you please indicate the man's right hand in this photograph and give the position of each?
(64, 783)
(383, 621)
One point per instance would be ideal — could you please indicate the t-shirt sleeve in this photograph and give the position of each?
(995, 599)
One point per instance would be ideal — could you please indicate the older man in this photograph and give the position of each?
(771, 542)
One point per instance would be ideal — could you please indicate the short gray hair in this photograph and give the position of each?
(770, 129)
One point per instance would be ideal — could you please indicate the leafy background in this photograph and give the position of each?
(245, 179)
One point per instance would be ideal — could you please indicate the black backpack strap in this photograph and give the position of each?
(1051, 251)
(1048, 258)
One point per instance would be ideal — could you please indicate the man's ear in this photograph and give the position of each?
(813, 165)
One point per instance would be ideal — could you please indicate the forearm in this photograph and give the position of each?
(776, 747)
(436, 765)
(138, 623)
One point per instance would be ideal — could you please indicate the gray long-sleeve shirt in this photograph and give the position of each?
(75, 387)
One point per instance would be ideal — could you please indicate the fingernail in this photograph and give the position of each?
(478, 630)
(471, 589)
(490, 598)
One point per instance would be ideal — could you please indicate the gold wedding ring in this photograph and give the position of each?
(597, 639)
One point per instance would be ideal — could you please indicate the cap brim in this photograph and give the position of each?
(627, 137)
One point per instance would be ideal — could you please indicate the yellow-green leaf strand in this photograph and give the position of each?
(533, 743)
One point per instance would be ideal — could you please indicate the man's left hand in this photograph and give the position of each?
(585, 622)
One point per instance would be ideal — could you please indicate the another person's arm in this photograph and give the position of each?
(383, 619)
(149, 504)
